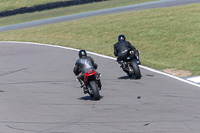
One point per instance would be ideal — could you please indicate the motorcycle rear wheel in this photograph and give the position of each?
(95, 90)
(136, 69)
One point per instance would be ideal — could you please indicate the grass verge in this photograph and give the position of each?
(167, 38)
(66, 11)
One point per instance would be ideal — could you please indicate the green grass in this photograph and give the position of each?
(66, 11)
(166, 37)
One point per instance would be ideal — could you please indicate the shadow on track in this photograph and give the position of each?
(127, 77)
(88, 98)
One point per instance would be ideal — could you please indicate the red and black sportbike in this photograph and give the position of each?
(93, 84)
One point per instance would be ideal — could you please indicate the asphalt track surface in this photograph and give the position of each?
(39, 94)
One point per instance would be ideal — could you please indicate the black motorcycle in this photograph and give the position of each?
(131, 64)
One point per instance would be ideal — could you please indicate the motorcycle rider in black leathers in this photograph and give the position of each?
(121, 48)
(85, 64)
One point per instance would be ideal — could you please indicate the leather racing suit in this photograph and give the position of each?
(121, 48)
(83, 65)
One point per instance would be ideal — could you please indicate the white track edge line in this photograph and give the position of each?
(104, 56)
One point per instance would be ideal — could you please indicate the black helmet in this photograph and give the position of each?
(121, 37)
(82, 53)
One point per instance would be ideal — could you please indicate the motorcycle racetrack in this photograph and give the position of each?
(39, 94)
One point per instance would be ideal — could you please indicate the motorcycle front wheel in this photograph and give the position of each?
(95, 91)
(136, 69)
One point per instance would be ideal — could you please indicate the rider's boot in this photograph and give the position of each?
(83, 86)
(98, 81)
(99, 84)
(137, 53)
(84, 89)
(138, 60)
(121, 63)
